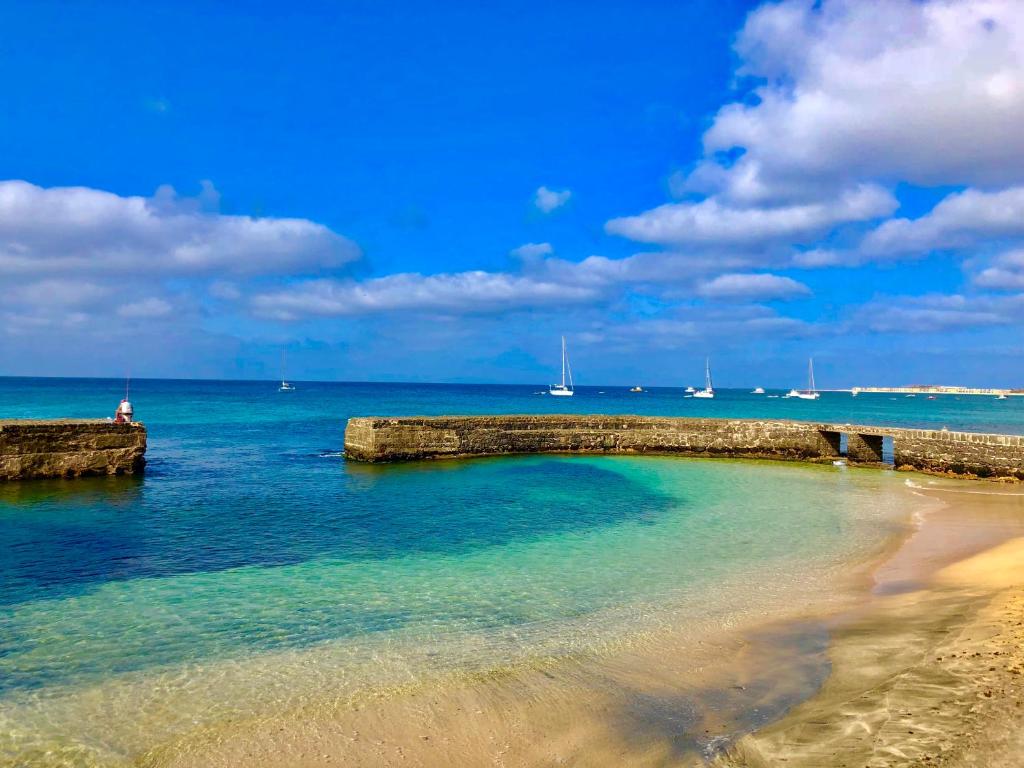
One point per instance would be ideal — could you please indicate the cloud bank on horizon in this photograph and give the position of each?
(860, 137)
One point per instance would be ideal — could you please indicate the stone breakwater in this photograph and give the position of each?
(31, 448)
(938, 451)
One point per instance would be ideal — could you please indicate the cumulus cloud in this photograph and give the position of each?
(1006, 272)
(962, 219)
(548, 200)
(761, 286)
(933, 313)
(149, 307)
(712, 222)
(923, 92)
(69, 230)
(532, 251)
(461, 293)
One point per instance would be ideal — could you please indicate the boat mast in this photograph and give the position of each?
(707, 374)
(810, 372)
(563, 362)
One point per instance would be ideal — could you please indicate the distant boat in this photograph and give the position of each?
(709, 391)
(1001, 397)
(757, 391)
(285, 386)
(690, 390)
(561, 390)
(811, 393)
(637, 388)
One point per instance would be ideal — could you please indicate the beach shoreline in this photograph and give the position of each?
(910, 611)
(929, 671)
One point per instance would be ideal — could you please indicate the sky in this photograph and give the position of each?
(437, 192)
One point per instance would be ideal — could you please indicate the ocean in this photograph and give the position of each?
(251, 571)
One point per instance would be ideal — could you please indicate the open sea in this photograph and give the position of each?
(252, 570)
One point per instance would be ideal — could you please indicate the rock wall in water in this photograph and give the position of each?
(31, 448)
(961, 453)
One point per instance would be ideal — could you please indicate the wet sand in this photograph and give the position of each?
(929, 673)
(922, 666)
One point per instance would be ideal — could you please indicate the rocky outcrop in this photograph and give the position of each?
(938, 451)
(31, 448)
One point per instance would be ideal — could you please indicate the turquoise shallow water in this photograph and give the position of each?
(252, 569)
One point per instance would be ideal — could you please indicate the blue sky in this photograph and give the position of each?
(436, 193)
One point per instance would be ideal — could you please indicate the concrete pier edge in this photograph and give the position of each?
(962, 454)
(46, 448)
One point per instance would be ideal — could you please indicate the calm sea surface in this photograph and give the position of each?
(251, 568)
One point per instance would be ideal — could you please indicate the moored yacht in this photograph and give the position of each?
(285, 386)
(811, 393)
(563, 390)
(709, 391)
(757, 391)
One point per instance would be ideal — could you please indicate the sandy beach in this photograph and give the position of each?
(931, 676)
(922, 668)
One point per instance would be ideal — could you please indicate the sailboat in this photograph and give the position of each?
(810, 393)
(561, 390)
(708, 391)
(285, 386)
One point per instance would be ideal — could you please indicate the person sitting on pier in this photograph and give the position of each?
(124, 412)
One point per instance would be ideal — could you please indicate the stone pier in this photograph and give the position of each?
(938, 451)
(33, 448)
(864, 449)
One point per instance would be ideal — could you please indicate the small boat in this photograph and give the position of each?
(285, 386)
(709, 391)
(810, 393)
(636, 389)
(1001, 397)
(690, 390)
(757, 391)
(931, 397)
(563, 390)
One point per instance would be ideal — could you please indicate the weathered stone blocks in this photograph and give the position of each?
(32, 448)
(939, 451)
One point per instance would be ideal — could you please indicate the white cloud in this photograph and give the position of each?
(922, 92)
(78, 230)
(548, 200)
(1006, 272)
(712, 222)
(56, 293)
(933, 313)
(761, 286)
(961, 220)
(457, 293)
(532, 251)
(145, 308)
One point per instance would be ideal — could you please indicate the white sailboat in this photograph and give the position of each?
(561, 390)
(811, 393)
(708, 391)
(285, 386)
